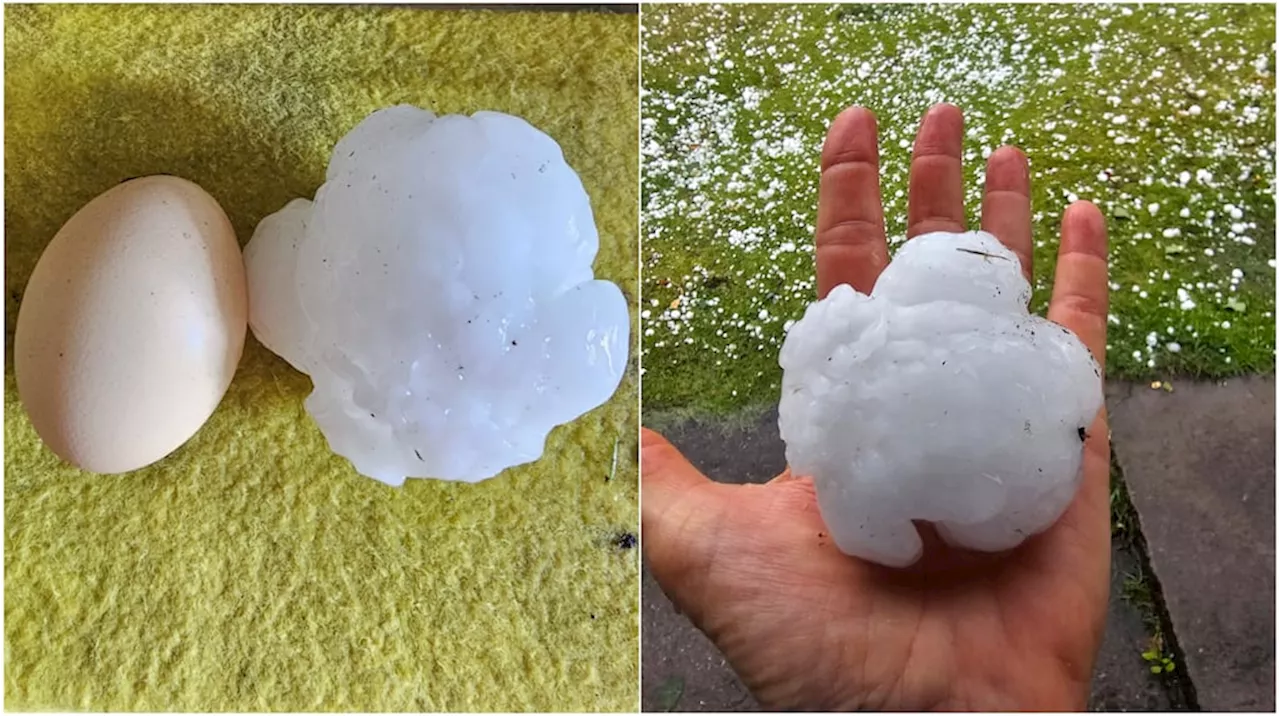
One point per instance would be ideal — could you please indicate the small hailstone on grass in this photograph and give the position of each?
(937, 398)
(439, 292)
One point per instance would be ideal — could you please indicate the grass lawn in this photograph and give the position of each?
(1164, 116)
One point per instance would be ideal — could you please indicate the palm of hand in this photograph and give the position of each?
(809, 627)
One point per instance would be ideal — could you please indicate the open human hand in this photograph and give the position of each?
(807, 627)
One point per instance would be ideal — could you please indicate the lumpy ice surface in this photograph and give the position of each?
(440, 294)
(937, 398)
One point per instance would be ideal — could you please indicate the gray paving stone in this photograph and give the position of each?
(1122, 681)
(1199, 464)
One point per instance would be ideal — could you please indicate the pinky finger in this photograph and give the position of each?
(1080, 290)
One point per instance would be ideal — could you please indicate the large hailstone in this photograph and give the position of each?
(439, 293)
(937, 398)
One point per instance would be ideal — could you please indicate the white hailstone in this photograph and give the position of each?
(440, 294)
(1173, 347)
(938, 398)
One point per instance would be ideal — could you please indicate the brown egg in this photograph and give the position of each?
(131, 325)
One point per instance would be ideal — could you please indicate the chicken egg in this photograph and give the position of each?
(131, 325)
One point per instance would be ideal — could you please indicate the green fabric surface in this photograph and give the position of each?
(252, 569)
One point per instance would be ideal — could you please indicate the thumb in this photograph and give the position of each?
(681, 514)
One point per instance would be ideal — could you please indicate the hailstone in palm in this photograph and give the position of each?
(939, 398)
(439, 292)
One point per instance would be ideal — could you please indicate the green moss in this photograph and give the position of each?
(737, 99)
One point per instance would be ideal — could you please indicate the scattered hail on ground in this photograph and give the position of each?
(1162, 115)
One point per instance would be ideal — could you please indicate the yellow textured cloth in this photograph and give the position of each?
(253, 569)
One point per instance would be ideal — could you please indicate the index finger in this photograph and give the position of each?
(850, 239)
(1080, 288)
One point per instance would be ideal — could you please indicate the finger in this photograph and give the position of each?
(1079, 303)
(935, 198)
(680, 518)
(850, 238)
(1006, 203)
(1088, 518)
(1079, 300)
